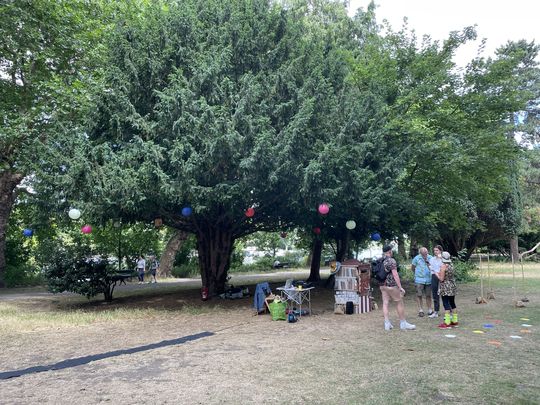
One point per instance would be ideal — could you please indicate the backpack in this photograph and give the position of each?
(378, 271)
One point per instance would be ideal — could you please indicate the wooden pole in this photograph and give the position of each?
(490, 294)
(481, 299)
(481, 279)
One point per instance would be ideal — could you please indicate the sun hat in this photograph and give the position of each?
(446, 258)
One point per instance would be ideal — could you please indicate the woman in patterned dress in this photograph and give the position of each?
(447, 291)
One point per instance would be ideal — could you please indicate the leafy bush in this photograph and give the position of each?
(87, 277)
(465, 271)
(186, 270)
(22, 275)
(261, 265)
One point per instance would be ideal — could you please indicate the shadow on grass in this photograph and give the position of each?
(87, 359)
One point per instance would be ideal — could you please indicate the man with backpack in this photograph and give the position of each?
(391, 289)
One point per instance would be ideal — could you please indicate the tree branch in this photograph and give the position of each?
(528, 251)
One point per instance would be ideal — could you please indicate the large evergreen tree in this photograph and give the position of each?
(216, 106)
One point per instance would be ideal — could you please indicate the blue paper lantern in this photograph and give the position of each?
(28, 232)
(187, 211)
(375, 236)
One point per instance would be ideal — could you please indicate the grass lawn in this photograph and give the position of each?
(323, 358)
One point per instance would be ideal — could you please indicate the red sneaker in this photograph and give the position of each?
(454, 323)
(444, 326)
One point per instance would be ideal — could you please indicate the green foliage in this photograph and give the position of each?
(85, 276)
(184, 255)
(186, 270)
(22, 275)
(261, 265)
(465, 271)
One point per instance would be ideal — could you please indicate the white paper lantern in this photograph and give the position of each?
(350, 224)
(74, 213)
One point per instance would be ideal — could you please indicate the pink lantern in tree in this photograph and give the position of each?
(250, 212)
(317, 230)
(323, 209)
(86, 229)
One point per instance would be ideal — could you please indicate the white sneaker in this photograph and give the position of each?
(404, 325)
(434, 314)
(387, 325)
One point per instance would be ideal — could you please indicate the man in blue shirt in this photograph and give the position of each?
(422, 280)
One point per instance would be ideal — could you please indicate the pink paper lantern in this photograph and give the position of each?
(323, 209)
(317, 230)
(86, 229)
(250, 212)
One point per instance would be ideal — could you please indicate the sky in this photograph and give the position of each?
(497, 20)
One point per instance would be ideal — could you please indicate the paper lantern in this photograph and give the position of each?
(375, 236)
(158, 222)
(250, 212)
(187, 211)
(74, 213)
(86, 229)
(323, 209)
(350, 224)
(28, 232)
(283, 235)
(317, 230)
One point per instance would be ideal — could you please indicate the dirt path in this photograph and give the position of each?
(15, 294)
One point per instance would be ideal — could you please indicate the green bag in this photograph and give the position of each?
(277, 310)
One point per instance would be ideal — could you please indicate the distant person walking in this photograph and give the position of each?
(435, 266)
(391, 289)
(422, 280)
(154, 267)
(141, 266)
(447, 291)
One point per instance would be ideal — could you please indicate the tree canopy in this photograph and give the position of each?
(195, 111)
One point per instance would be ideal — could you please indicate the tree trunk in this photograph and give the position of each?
(215, 247)
(314, 272)
(514, 249)
(401, 247)
(413, 250)
(342, 247)
(8, 194)
(166, 261)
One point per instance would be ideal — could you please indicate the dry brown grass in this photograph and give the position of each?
(324, 358)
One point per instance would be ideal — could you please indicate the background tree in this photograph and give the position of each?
(47, 49)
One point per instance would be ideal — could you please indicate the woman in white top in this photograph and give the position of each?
(141, 266)
(435, 266)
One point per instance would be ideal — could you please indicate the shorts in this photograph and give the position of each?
(423, 289)
(391, 293)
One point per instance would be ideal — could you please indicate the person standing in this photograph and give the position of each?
(422, 280)
(154, 267)
(435, 266)
(141, 266)
(447, 291)
(391, 289)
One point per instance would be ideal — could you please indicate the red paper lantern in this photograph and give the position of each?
(317, 230)
(86, 229)
(323, 209)
(250, 212)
